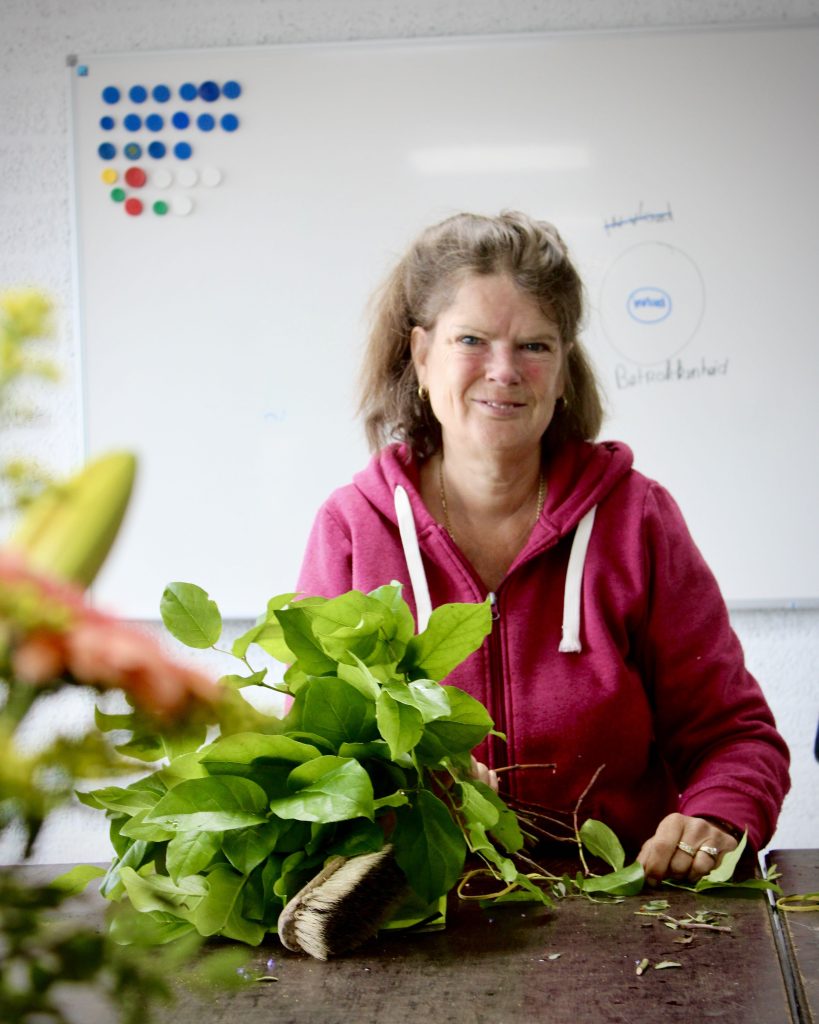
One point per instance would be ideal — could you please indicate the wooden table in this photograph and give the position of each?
(797, 933)
(501, 966)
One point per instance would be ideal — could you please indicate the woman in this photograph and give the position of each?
(611, 655)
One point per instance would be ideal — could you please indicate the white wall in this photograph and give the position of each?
(782, 647)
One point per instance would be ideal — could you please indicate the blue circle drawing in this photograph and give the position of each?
(180, 119)
(154, 123)
(649, 305)
(205, 122)
(138, 93)
(230, 122)
(161, 93)
(156, 150)
(111, 94)
(182, 150)
(188, 91)
(133, 122)
(107, 151)
(133, 151)
(209, 91)
(232, 90)
(107, 123)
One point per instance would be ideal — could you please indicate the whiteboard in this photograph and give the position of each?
(221, 338)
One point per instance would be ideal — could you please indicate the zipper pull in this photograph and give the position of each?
(493, 602)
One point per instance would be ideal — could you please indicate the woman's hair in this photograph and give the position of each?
(424, 283)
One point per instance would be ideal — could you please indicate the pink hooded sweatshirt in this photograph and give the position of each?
(611, 647)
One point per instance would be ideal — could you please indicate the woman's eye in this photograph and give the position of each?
(469, 340)
(535, 346)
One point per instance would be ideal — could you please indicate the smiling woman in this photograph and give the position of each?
(611, 669)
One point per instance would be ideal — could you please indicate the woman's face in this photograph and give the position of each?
(493, 366)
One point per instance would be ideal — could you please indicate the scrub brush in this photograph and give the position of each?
(344, 905)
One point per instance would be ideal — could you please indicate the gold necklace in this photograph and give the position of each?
(541, 497)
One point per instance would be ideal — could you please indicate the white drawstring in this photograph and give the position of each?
(412, 554)
(570, 644)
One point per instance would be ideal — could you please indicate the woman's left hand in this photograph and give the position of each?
(684, 848)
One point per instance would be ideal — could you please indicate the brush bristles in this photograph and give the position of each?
(344, 905)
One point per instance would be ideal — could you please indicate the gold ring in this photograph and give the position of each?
(712, 851)
(686, 848)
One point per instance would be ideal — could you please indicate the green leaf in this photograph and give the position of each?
(336, 710)
(399, 723)
(74, 881)
(236, 682)
(214, 804)
(627, 881)
(246, 848)
(343, 792)
(190, 615)
(136, 854)
(114, 798)
(363, 837)
(306, 774)
(724, 871)
(299, 637)
(184, 741)
(467, 724)
(159, 892)
(268, 635)
(601, 842)
(506, 829)
(453, 633)
(186, 766)
(430, 698)
(189, 853)
(429, 847)
(110, 723)
(138, 828)
(243, 749)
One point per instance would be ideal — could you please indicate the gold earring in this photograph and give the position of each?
(423, 393)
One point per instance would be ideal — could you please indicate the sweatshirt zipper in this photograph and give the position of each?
(498, 750)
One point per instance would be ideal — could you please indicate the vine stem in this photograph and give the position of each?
(576, 813)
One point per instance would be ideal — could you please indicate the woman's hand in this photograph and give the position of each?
(684, 848)
(483, 774)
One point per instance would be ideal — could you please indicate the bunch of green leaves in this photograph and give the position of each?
(374, 748)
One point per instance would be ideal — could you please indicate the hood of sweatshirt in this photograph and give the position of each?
(578, 476)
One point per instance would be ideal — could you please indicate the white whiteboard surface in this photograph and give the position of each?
(222, 346)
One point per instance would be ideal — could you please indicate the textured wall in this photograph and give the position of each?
(36, 36)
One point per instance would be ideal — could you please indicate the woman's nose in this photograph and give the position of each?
(503, 364)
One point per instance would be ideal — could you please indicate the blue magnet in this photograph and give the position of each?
(230, 122)
(209, 91)
(156, 150)
(188, 91)
(161, 93)
(154, 123)
(107, 151)
(182, 150)
(180, 119)
(107, 123)
(205, 122)
(82, 71)
(133, 122)
(231, 90)
(133, 151)
(111, 94)
(138, 93)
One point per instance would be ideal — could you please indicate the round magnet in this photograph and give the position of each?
(232, 90)
(109, 176)
(107, 151)
(138, 93)
(157, 150)
(181, 205)
(230, 122)
(133, 151)
(111, 94)
(180, 119)
(187, 177)
(209, 91)
(161, 178)
(107, 123)
(188, 91)
(211, 176)
(133, 122)
(135, 177)
(182, 151)
(161, 93)
(154, 123)
(205, 122)
(133, 206)
(118, 194)
(160, 207)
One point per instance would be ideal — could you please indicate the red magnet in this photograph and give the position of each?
(136, 177)
(133, 206)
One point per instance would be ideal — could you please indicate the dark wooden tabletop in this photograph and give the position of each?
(575, 963)
(799, 931)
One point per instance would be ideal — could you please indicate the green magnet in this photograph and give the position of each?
(118, 194)
(160, 207)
